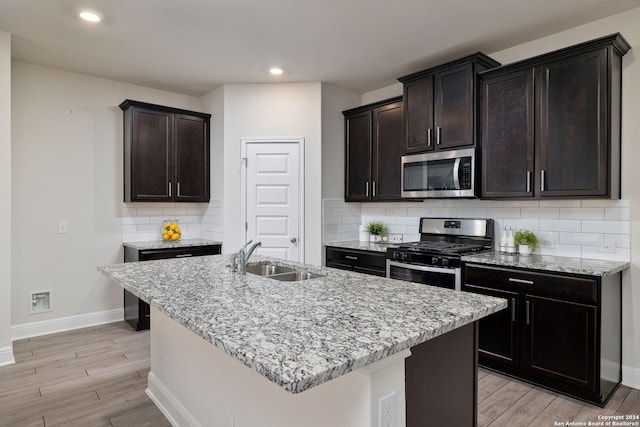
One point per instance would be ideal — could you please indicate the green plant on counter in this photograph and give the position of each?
(525, 237)
(376, 228)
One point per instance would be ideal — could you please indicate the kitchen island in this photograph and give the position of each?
(326, 349)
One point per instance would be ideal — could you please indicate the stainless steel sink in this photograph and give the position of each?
(296, 276)
(265, 269)
(278, 272)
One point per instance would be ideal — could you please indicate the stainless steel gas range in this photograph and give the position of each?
(435, 259)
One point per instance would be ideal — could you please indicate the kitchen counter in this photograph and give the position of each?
(363, 246)
(163, 244)
(299, 334)
(585, 266)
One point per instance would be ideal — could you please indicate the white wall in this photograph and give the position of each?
(627, 24)
(273, 110)
(66, 164)
(6, 355)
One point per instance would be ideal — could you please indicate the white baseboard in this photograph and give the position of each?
(6, 356)
(631, 377)
(45, 327)
(168, 404)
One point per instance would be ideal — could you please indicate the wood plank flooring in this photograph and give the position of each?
(97, 377)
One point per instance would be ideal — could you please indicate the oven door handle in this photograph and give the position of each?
(442, 270)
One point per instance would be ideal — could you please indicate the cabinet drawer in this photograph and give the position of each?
(580, 288)
(147, 255)
(361, 261)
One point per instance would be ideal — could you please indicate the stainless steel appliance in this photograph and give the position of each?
(435, 259)
(442, 174)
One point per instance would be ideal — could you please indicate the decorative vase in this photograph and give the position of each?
(364, 235)
(524, 250)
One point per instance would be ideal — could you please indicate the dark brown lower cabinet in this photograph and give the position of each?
(360, 261)
(561, 331)
(137, 312)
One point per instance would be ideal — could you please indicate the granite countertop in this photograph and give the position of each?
(363, 246)
(299, 334)
(586, 266)
(163, 244)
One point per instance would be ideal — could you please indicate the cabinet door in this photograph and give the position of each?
(192, 159)
(573, 126)
(560, 340)
(507, 114)
(454, 107)
(151, 155)
(418, 109)
(387, 150)
(498, 333)
(358, 157)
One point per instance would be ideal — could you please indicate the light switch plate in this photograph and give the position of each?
(63, 227)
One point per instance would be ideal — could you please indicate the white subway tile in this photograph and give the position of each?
(621, 254)
(418, 211)
(562, 250)
(582, 213)
(397, 229)
(521, 203)
(148, 211)
(592, 239)
(330, 220)
(621, 240)
(396, 211)
(605, 203)
(547, 239)
(560, 203)
(540, 213)
(433, 203)
(173, 212)
(617, 214)
(520, 224)
(503, 212)
(559, 225)
(413, 221)
(333, 203)
(611, 227)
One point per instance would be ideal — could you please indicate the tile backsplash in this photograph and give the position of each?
(576, 228)
(143, 221)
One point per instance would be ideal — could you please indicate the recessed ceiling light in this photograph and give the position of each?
(91, 16)
(276, 71)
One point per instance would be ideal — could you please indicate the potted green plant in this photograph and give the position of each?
(376, 229)
(526, 241)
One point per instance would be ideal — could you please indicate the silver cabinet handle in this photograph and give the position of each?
(352, 258)
(178, 190)
(526, 282)
(183, 255)
(542, 176)
(169, 188)
(293, 240)
(367, 189)
(438, 135)
(528, 181)
(429, 137)
(513, 309)
(374, 189)
(527, 312)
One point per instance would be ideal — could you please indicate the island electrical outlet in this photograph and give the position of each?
(387, 411)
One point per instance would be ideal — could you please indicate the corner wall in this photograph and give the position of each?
(6, 352)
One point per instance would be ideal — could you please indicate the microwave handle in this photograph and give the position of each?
(456, 174)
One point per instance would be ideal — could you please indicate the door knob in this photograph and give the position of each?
(293, 239)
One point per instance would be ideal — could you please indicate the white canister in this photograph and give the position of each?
(364, 234)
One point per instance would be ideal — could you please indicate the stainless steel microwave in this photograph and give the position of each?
(442, 174)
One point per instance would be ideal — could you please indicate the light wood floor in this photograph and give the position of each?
(97, 377)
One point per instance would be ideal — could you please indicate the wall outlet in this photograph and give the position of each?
(387, 411)
(607, 247)
(63, 227)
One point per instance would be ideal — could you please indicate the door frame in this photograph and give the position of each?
(243, 183)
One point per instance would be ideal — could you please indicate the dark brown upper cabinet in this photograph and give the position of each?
(373, 147)
(166, 154)
(440, 105)
(550, 125)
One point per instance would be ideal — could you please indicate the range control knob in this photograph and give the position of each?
(434, 260)
(445, 262)
(404, 256)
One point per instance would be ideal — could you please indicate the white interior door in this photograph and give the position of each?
(273, 199)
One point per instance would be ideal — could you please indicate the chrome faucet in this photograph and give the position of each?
(239, 260)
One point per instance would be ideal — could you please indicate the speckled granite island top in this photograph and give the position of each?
(363, 246)
(299, 334)
(162, 244)
(586, 266)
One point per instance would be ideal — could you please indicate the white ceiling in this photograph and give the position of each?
(193, 46)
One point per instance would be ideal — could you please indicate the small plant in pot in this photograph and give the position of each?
(376, 229)
(526, 241)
